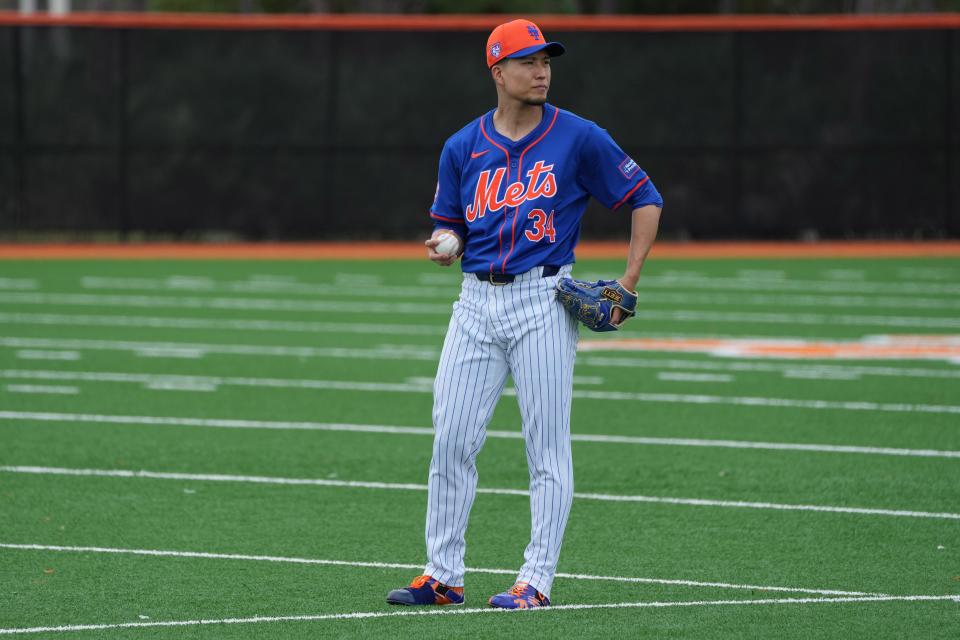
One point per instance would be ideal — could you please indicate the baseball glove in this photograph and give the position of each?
(592, 303)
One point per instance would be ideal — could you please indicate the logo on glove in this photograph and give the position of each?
(613, 295)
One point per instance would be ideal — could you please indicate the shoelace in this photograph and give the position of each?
(419, 581)
(518, 588)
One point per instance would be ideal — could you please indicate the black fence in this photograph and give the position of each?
(300, 135)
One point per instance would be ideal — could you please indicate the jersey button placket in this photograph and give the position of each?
(513, 167)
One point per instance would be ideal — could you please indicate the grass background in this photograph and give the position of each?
(849, 299)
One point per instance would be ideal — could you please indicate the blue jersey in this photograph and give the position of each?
(518, 204)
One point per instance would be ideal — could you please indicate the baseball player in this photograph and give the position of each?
(513, 186)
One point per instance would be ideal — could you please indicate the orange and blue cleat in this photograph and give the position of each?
(521, 596)
(425, 590)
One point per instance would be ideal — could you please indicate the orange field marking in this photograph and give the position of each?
(416, 251)
(880, 347)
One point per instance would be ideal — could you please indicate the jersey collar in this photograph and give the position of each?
(548, 110)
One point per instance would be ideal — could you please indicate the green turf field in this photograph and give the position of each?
(246, 444)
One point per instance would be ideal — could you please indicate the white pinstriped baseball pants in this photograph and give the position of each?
(518, 329)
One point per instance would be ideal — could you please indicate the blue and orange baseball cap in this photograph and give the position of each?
(516, 39)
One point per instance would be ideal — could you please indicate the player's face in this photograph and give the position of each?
(527, 79)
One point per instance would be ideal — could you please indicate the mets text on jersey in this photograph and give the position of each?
(485, 196)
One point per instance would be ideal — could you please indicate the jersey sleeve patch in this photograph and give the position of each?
(629, 168)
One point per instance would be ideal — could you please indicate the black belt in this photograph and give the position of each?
(507, 278)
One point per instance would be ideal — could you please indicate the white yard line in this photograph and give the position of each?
(363, 279)
(929, 273)
(491, 433)
(62, 390)
(161, 381)
(180, 385)
(844, 274)
(199, 302)
(167, 352)
(858, 287)
(768, 402)
(219, 324)
(426, 308)
(434, 278)
(19, 284)
(373, 287)
(404, 387)
(694, 377)
(272, 277)
(446, 291)
(785, 368)
(800, 300)
(199, 349)
(801, 374)
(761, 274)
(38, 354)
(675, 279)
(367, 615)
(357, 484)
(393, 565)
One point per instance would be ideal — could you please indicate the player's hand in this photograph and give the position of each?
(439, 258)
(616, 316)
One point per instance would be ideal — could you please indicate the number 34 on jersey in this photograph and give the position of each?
(542, 226)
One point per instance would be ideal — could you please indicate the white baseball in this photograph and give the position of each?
(449, 244)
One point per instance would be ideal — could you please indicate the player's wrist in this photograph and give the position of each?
(629, 282)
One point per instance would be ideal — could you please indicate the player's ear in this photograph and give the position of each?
(496, 72)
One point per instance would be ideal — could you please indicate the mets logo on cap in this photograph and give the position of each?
(516, 39)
